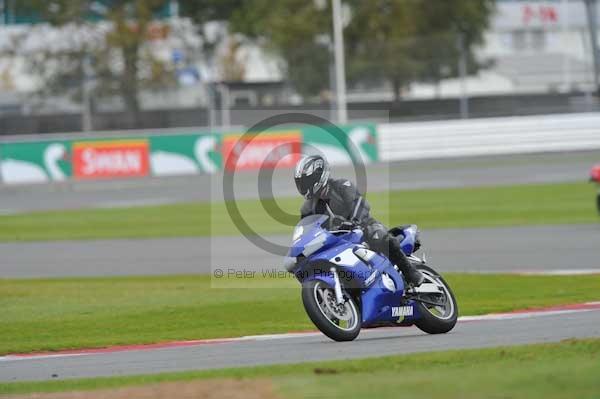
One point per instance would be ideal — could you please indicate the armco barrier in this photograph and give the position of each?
(139, 154)
(571, 132)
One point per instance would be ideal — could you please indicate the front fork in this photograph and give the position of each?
(339, 298)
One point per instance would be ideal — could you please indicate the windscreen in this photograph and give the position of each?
(313, 219)
(306, 224)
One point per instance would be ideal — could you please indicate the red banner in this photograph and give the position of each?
(542, 13)
(280, 150)
(110, 159)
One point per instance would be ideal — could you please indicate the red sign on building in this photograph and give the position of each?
(542, 13)
(277, 150)
(110, 159)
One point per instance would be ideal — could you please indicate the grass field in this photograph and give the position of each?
(568, 369)
(41, 315)
(435, 208)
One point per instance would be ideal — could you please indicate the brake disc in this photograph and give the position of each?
(334, 308)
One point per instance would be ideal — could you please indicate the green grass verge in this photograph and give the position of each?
(459, 207)
(568, 369)
(41, 315)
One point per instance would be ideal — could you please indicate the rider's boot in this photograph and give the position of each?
(411, 274)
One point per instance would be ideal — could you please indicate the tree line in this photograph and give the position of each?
(394, 42)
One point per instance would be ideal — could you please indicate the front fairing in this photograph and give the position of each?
(309, 236)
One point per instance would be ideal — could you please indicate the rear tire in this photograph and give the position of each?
(317, 312)
(430, 323)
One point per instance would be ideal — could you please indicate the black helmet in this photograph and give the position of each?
(311, 176)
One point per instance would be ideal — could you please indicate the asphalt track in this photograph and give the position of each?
(475, 171)
(296, 348)
(507, 249)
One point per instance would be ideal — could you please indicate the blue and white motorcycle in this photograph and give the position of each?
(346, 286)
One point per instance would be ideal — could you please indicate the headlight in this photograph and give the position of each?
(298, 231)
(314, 245)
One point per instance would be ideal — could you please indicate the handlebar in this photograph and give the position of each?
(345, 225)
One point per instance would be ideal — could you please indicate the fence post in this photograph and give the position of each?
(592, 16)
(462, 71)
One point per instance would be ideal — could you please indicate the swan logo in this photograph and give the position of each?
(184, 154)
(271, 151)
(107, 159)
(357, 143)
(34, 162)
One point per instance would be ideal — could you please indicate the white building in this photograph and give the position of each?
(535, 46)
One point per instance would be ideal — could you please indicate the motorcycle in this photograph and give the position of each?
(347, 287)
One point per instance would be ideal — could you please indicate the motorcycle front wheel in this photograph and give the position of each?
(340, 322)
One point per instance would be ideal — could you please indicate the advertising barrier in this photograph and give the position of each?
(271, 150)
(128, 156)
(82, 158)
(110, 159)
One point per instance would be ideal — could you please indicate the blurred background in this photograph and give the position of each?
(82, 65)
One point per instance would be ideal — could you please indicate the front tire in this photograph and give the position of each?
(338, 322)
(437, 319)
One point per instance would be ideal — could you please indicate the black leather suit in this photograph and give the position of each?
(343, 199)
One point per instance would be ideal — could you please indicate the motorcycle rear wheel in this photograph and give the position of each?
(437, 319)
(338, 322)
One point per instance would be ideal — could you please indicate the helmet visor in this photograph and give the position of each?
(305, 184)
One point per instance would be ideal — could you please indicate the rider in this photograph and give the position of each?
(328, 196)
